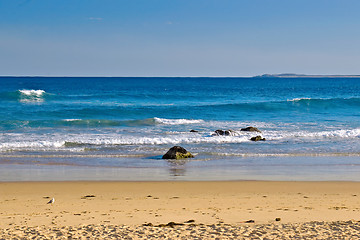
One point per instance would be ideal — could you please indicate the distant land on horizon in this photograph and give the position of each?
(293, 75)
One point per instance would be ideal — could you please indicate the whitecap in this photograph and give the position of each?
(31, 92)
(129, 140)
(30, 145)
(72, 120)
(332, 134)
(31, 95)
(298, 99)
(177, 121)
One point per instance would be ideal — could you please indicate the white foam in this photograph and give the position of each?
(56, 141)
(129, 140)
(29, 96)
(346, 133)
(176, 121)
(28, 145)
(36, 93)
(333, 134)
(329, 154)
(298, 99)
(103, 140)
(72, 120)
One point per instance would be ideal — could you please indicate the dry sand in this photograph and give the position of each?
(197, 210)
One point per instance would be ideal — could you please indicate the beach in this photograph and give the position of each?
(95, 153)
(179, 120)
(222, 209)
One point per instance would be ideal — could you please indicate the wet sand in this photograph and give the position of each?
(239, 209)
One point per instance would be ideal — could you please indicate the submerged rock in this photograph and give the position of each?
(250, 129)
(257, 138)
(177, 152)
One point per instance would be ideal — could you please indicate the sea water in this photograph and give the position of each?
(118, 128)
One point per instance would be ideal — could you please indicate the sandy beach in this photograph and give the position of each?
(239, 209)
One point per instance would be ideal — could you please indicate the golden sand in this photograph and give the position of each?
(239, 209)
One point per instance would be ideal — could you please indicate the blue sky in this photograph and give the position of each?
(178, 37)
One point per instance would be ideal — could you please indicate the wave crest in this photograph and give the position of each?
(177, 121)
(37, 93)
(31, 95)
(298, 99)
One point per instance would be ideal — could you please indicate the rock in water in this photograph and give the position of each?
(194, 131)
(257, 138)
(177, 152)
(220, 132)
(251, 129)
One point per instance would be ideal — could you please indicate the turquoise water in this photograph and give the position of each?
(129, 123)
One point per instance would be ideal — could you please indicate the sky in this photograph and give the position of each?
(178, 37)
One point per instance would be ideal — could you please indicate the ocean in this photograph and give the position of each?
(81, 128)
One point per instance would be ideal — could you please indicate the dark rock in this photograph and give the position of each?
(190, 221)
(251, 129)
(177, 152)
(170, 224)
(250, 221)
(148, 224)
(278, 219)
(220, 132)
(194, 131)
(230, 133)
(88, 196)
(257, 138)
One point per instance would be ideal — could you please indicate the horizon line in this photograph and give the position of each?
(281, 75)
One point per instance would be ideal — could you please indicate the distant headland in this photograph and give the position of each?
(293, 75)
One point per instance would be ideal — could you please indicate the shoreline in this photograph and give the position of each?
(177, 181)
(247, 169)
(207, 207)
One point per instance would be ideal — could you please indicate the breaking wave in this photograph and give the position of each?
(31, 95)
(98, 122)
(25, 95)
(176, 121)
(149, 138)
(298, 99)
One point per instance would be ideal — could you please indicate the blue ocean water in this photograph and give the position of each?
(130, 123)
